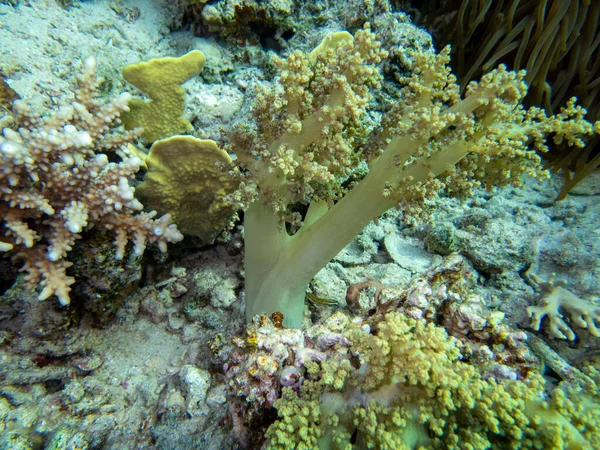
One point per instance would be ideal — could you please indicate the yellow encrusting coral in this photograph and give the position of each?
(185, 179)
(314, 128)
(160, 79)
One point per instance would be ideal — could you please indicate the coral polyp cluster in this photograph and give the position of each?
(399, 379)
(410, 386)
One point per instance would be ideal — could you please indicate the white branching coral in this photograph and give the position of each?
(554, 302)
(65, 171)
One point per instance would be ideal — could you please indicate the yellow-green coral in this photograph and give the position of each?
(316, 126)
(184, 179)
(160, 79)
(300, 419)
(556, 301)
(411, 389)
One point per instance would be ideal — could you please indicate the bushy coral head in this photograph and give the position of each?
(409, 387)
(56, 179)
(316, 133)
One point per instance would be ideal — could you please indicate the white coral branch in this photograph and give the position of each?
(56, 179)
(554, 299)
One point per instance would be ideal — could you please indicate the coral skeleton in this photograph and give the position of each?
(553, 299)
(58, 177)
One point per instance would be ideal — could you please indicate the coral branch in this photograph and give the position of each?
(56, 179)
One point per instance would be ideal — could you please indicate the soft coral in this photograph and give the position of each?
(312, 132)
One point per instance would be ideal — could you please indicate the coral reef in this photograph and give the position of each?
(399, 347)
(330, 355)
(56, 179)
(408, 387)
(396, 382)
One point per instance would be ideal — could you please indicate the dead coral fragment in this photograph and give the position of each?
(56, 179)
(554, 298)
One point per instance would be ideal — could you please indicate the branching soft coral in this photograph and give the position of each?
(409, 388)
(312, 132)
(56, 179)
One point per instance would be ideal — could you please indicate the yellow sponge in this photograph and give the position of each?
(161, 79)
(184, 180)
